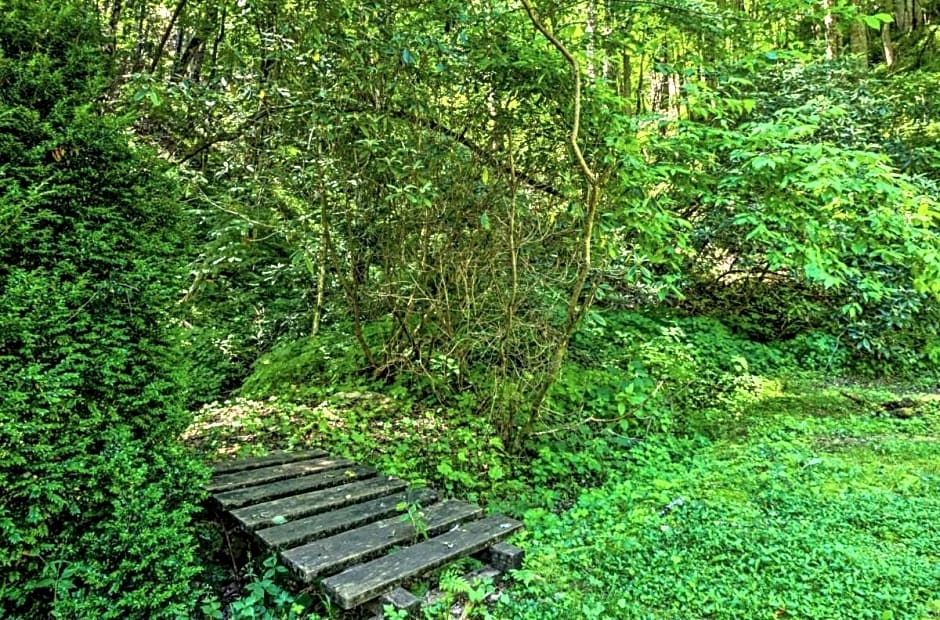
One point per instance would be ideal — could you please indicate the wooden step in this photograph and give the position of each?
(275, 458)
(364, 582)
(279, 511)
(328, 523)
(263, 475)
(274, 490)
(327, 556)
(326, 515)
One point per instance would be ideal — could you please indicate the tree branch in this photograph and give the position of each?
(158, 53)
(477, 150)
(412, 119)
(576, 74)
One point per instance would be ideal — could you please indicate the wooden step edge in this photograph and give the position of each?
(364, 582)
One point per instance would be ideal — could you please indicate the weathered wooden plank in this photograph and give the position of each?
(364, 582)
(328, 523)
(289, 508)
(275, 458)
(263, 475)
(292, 486)
(330, 555)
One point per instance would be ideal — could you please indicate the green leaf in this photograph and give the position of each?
(407, 57)
(874, 21)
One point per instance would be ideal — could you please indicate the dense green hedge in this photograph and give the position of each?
(95, 494)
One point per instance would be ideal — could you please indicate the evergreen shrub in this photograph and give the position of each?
(95, 493)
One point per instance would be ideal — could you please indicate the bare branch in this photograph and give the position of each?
(589, 174)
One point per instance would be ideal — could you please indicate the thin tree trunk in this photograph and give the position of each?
(832, 32)
(114, 19)
(589, 28)
(352, 297)
(215, 45)
(904, 15)
(143, 33)
(886, 44)
(626, 78)
(576, 305)
(858, 41)
(158, 53)
(321, 270)
(639, 87)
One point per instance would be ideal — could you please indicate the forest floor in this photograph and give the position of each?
(819, 501)
(816, 500)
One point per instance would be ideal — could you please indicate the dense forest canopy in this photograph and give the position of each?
(453, 184)
(462, 203)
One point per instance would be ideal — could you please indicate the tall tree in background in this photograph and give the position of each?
(406, 170)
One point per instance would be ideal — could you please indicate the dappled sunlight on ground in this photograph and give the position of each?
(242, 427)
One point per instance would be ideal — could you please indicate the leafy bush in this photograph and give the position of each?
(816, 212)
(658, 373)
(96, 494)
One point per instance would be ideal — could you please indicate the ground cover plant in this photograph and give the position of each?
(811, 507)
(660, 278)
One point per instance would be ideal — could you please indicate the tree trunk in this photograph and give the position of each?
(626, 77)
(321, 268)
(858, 41)
(904, 15)
(589, 51)
(158, 53)
(832, 32)
(886, 44)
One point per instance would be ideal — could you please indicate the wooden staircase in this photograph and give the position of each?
(337, 523)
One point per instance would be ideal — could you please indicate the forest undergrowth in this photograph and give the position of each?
(718, 493)
(658, 278)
